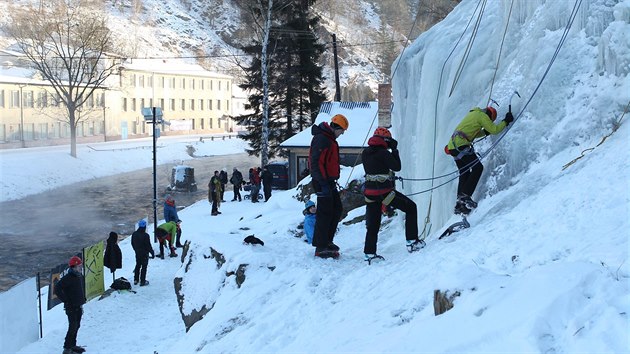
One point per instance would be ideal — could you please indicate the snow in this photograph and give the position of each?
(543, 269)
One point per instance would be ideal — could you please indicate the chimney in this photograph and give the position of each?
(385, 105)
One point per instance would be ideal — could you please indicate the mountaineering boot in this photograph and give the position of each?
(324, 252)
(135, 282)
(69, 351)
(372, 257)
(461, 209)
(470, 204)
(161, 256)
(78, 349)
(144, 283)
(415, 245)
(333, 247)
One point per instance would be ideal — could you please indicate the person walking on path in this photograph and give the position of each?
(380, 164)
(70, 290)
(324, 166)
(141, 243)
(170, 214)
(267, 180)
(477, 123)
(254, 179)
(237, 181)
(112, 258)
(214, 193)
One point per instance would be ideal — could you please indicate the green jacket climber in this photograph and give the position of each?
(472, 127)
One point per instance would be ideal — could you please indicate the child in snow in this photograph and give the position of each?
(310, 211)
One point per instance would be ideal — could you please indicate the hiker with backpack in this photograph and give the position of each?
(237, 181)
(141, 243)
(70, 290)
(323, 162)
(380, 160)
(478, 123)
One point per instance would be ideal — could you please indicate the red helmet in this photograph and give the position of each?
(383, 132)
(341, 121)
(74, 261)
(491, 112)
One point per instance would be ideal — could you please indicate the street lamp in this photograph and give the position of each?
(154, 114)
(22, 115)
(104, 125)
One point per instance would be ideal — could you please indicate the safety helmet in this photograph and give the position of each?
(142, 223)
(74, 261)
(341, 121)
(383, 132)
(491, 112)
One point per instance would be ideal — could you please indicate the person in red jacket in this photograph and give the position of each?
(380, 164)
(324, 166)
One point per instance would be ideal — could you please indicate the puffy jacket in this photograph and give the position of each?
(472, 127)
(323, 159)
(141, 243)
(170, 211)
(69, 289)
(113, 256)
(170, 227)
(309, 227)
(377, 160)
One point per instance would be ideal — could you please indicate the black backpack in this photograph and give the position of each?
(121, 284)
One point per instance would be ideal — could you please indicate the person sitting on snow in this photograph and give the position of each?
(310, 214)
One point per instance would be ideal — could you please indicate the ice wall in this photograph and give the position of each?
(583, 93)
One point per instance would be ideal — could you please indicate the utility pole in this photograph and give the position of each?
(337, 85)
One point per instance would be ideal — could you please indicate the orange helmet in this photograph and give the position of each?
(383, 132)
(74, 261)
(341, 121)
(491, 112)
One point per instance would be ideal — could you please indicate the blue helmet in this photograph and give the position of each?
(142, 223)
(309, 204)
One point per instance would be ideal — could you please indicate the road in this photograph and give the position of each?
(43, 230)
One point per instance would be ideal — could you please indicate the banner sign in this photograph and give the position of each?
(93, 270)
(55, 274)
(180, 125)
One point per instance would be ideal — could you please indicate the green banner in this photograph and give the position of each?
(93, 270)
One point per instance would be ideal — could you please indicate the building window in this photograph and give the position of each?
(163, 79)
(162, 103)
(227, 105)
(141, 103)
(219, 87)
(124, 104)
(201, 105)
(192, 84)
(150, 102)
(57, 100)
(192, 104)
(90, 101)
(173, 82)
(172, 105)
(15, 99)
(42, 99)
(133, 105)
(150, 81)
(132, 80)
(210, 104)
(141, 80)
(1, 102)
(203, 85)
(183, 104)
(210, 123)
(183, 84)
(219, 105)
(227, 86)
(210, 84)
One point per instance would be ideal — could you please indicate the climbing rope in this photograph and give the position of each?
(496, 67)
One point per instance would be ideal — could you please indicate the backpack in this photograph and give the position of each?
(121, 284)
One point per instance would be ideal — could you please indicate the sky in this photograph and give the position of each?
(542, 269)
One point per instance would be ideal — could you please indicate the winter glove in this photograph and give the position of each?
(392, 143)
(325, 190)
(509, 118)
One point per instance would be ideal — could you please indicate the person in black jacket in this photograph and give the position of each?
(267, 180)
(69, 289)
(237, 181)
(141, 243)
(223, 177)
(113, 256)
(380, 194)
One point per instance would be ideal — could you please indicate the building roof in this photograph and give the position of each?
(171, 66)
(362, 118)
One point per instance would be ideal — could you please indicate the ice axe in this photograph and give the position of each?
(510, 105)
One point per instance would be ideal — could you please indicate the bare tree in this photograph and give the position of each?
(66, 42)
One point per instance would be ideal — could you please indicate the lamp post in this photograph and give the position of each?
(154, 116)
(22, 116)
(104, 125)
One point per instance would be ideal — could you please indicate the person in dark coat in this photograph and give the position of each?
(254, 179)
(214, 193)
(324, 166)
(113, 255)
(237, 181)
(223, 177)
(380, 164)
(141, 243)
(70, 290)
(267, 178)
(170, 214)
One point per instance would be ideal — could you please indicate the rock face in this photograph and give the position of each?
(214, 264)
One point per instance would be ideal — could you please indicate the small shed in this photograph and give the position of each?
(362, 119)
